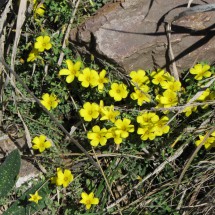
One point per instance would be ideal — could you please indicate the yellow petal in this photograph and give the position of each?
(46, 39)
(64, 72)
(69, 64)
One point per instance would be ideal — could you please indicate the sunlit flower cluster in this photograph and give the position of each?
(169, 96)
(139, 80)
(151, 125)
(118, 132)
(105, 123)
(87, 77)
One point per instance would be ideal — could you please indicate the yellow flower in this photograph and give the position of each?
(41, 143)
(204, 95)
(89, 200)
(72, 71)
(138, 77)
(108, 113)
(124, 127)
(147, 119)
(63, 178)
(161, 126)
(188, 110)
(42, 43)
(161, 76)
(113, 133)
(209, 143)
(201, 71)
(146, 133)
(35, 197)
(49, 101)
(151, 126)
(88, 78)
(168, 99)
(97, 136)
(171, 85)
(33, 55)
(102, 80)
(89, 111)
(141, 95)
(118, 91)
(39, 8)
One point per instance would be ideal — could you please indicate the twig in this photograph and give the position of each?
(19, 23)
(106, 155)
(189, 3)
(67, 33)
(171, 55)
(175, 108)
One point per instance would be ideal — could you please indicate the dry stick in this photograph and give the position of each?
(49, 114)
(3, 33)
(67, 33)
(175, 108)
(191, 159)
(4, 16)
(189, 3)
(171, 55)
(19, 23)
(156, 171)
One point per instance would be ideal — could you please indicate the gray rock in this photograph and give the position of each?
(127, 35)
(27, 172)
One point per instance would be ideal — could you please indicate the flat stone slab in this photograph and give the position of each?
(129, 36)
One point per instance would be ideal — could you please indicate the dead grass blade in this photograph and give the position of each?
(19, 23)
(67, 33)
(191, 159)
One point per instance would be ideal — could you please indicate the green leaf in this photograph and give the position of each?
(9, 171)
(22, 206)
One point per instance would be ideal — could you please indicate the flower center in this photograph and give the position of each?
(170, 99)
(100, 80)
(88, 202)
(123, 128)
(118, 91)
(90, 112)
(44, 44)
(42, 145)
